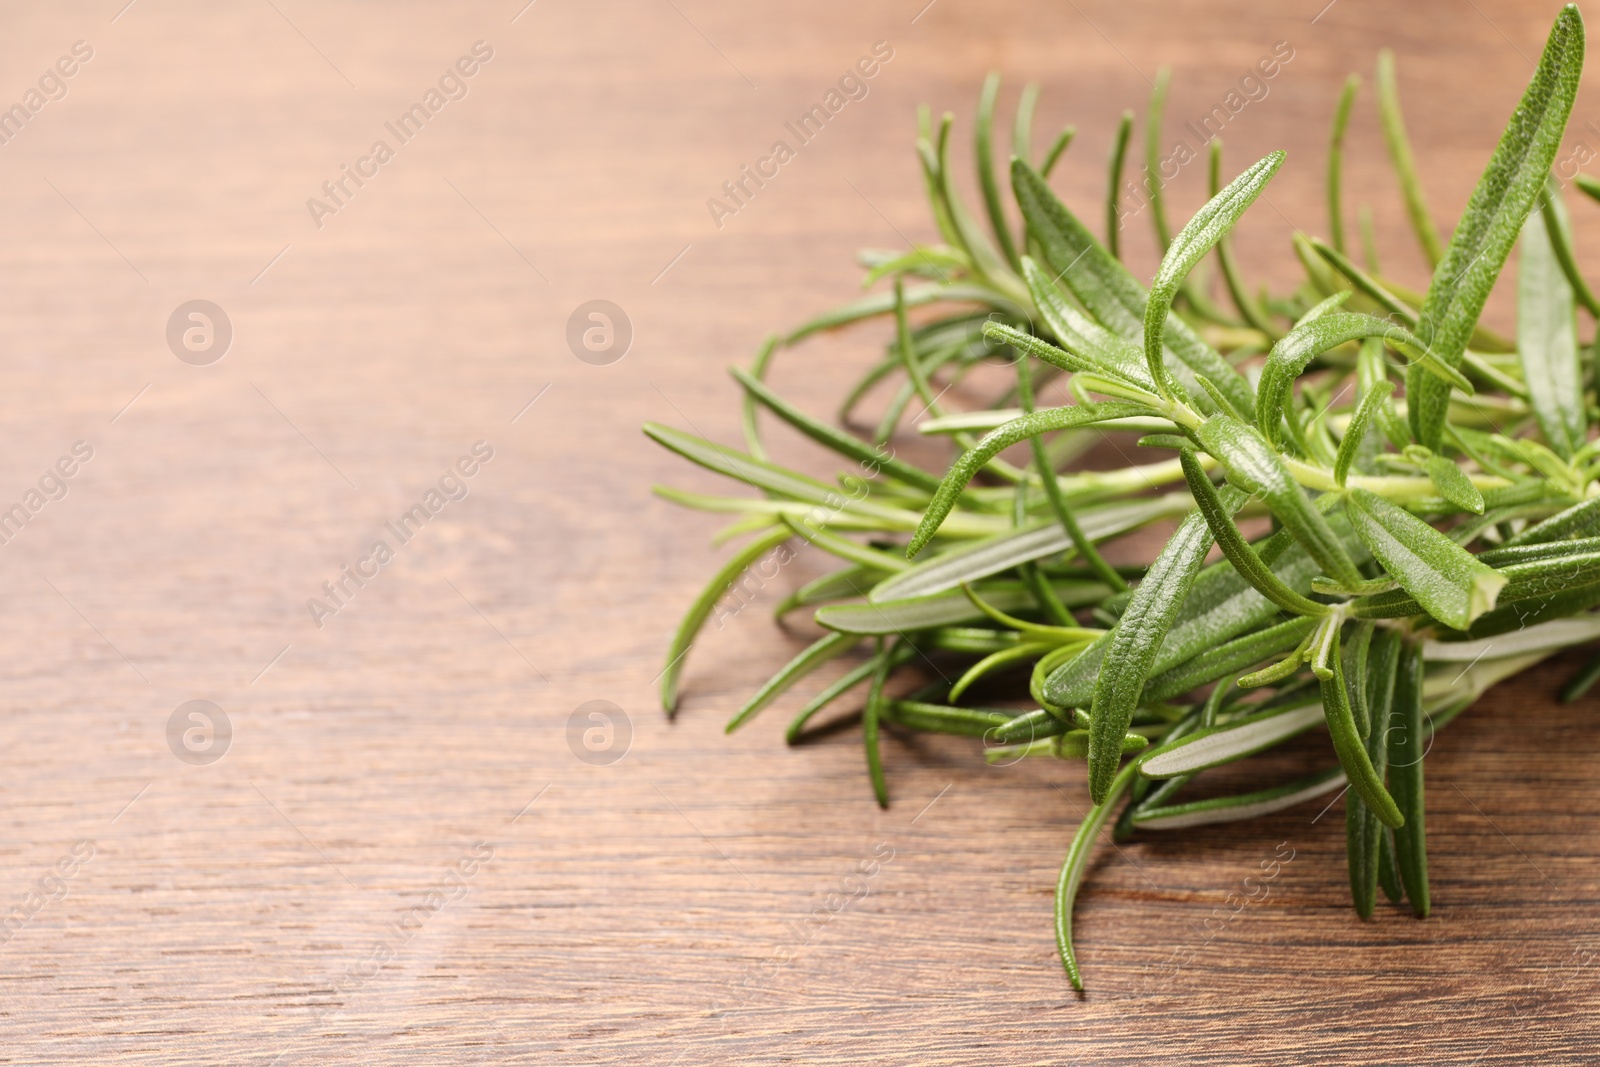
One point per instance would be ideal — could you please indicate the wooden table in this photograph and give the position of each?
(294, 901)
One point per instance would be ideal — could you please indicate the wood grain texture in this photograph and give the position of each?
(274, 907)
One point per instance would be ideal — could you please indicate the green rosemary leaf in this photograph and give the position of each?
(1366, 284)
(1076, 744)
(945, 609)
(1076, 863)
(1347, 742)
(1032, 726)
(837, 585)
(1236, 549)
(700, 610)
(1454, 485)
(1508, 190)
(984, 154)
(1241, 806)
(944, 719)
(1371, 370)
(1335, 179)
(814, 656)
(751, 471)
(1533, 593)
(1256, 468)
(1578, 521)
(758, 371)
(1558, 227)
(997, 441)
(1060, 145)
(1545, 637)
(1365, 834)
(1153, 182)
(994, 661)
(869, 307)
(1001, 552)
(1372, 401)
(1052, 491)
(1081, 355)
(1228, 658)
(1388, 870)
(844, 548)
(901, 654)
(1221, 606)
(1252, 313)
(1357, 655)
(1203, 231)
(1406, 748)
(1307, 341)
(843, 443)
(1394, 134)
(986, 262)
(1547, 340)
(1440, 575)
(1232, 741)
(1022, 128)
(1137, 639)
(1106, 289)
(1119, 153)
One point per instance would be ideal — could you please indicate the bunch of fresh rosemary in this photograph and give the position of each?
(1424, 543)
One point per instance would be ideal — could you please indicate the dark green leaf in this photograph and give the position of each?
(1136, 641)
(1364, 779)
(1255, 467)
(1508, 190)
(1439, 574)
(1119, 152)
(1394, 132)
(700, 610)
(1196, 239)
(997, 441)
(1236, 549)
(1308, 340)
(984, 154)
(1375, 398)
(1454, 485)
(1106, 289)
(1547, 340)
(846, 445)
(1341, 119)
(1241, 806)
(1406, 739)
(1077, 862)
(814, 656)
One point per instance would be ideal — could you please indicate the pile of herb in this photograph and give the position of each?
(1425, 488)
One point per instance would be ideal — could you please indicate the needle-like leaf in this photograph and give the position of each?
(1136, 640)
(1364, 779)
(1237, 549)
(1547, 341)
(1254, 466)
(1439, 574)
(1203, 231)
(1335, 179)
(1508, 190)
(1077, 862)
(700, 610)
(1241, 806)
(1394, 133)
(814, 656)
(1407, 739)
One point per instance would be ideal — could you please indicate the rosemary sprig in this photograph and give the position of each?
(1433, 487)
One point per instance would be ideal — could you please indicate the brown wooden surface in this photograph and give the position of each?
(629, 903)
